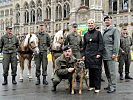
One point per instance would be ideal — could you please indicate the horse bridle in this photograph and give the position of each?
(31, 47)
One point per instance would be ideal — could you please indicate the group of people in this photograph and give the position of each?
(96, 47)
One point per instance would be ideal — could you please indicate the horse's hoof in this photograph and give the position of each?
(72, 92)
(80, 92)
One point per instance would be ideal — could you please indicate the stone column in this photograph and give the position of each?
(52, 29)
(74, 5)
(118, 6)
(129, 7)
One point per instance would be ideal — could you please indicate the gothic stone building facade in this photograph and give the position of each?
(26, 15)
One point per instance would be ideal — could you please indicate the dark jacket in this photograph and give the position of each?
(93, 45)
(44, 41)
(9, 44)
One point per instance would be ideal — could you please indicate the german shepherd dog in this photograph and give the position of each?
(81, 72)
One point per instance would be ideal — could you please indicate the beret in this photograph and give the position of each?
(74, 25)
(107, 17)
(66, 47)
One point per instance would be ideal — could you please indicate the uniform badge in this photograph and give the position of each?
(90, 39)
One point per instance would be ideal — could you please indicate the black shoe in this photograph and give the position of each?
(121, 77)
(107, 88)
(128, 77)
(53, 88)
(45, 81)
(5, 81)
(38, 81)
(111, 90)
(14, 80)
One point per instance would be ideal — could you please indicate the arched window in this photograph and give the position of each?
(48, 2)
(115, 5)
(132, 4)
(32, 12)
(39, 3)
(6, 22)
(66, 10)
(58, 11)
(48, 12)
(6, 12)
(39, 15)
(11, 22)
(85, 3)
(26, 17)
(32, 16)
(17, 8)
(26, 13)
(125, 4)
(18, 17)
(2, 25)
(32, 4)
(26, 6)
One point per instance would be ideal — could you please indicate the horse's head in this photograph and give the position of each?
(58, 41)
(31, 41)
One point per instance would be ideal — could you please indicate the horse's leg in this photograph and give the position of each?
(29, 69)
(21, 69)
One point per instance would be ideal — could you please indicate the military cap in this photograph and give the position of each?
(74, 25)
(8, 27)
(41, 25)
(107, 17)
(66, 47)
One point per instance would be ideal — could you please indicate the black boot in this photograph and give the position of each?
(45, 81)
(121, 76)
(128, 77)
(38, 81)
(14, 80)
(53, 88)
(5, 81)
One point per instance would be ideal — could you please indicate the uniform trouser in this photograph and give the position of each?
(124, 59)
(95, 78)
(77, 54)
(41, 58)
(7, 59)
(110, 72)
(57, 78)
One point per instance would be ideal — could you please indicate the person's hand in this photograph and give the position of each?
(113, 56)
(70, 70)
(83, 57)
(98, 56)
(123, 51)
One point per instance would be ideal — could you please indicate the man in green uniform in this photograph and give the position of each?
(75, 41)
(41, 58)
(64, 67)
(125, 54)
(8, 45)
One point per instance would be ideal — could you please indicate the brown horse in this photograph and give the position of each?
(57, 45)
(25, 52)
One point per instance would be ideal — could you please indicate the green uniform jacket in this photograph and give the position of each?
(125, 44)
(44, 41)
(111, 39)
(9, 44)
(75, 41)
(62, 65)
